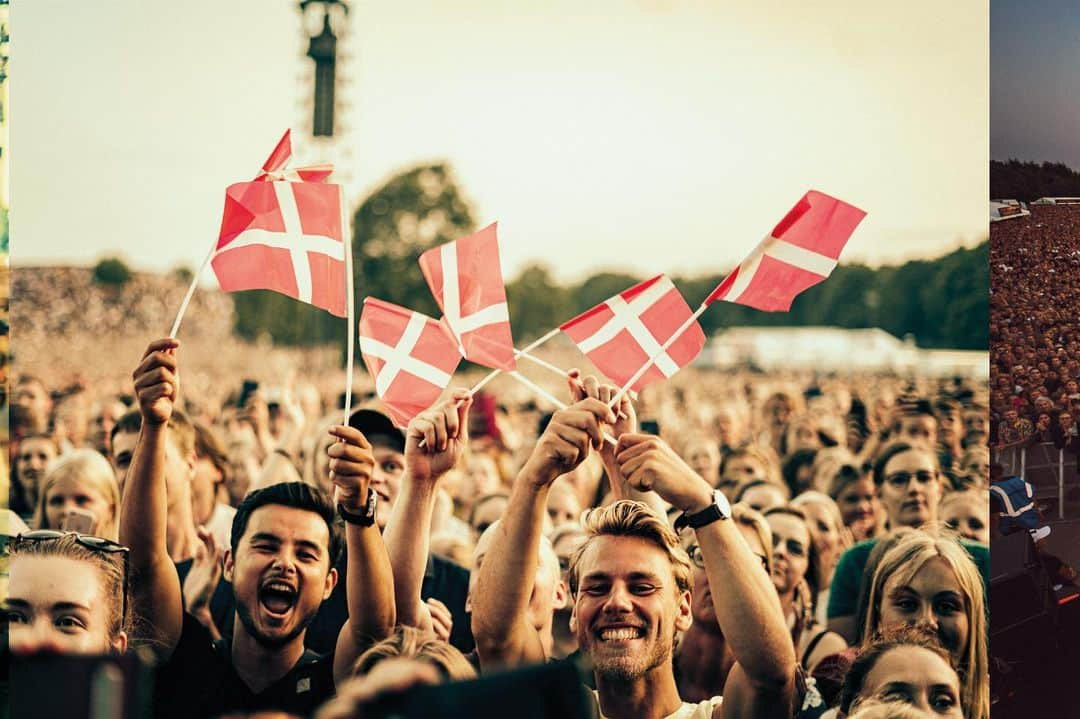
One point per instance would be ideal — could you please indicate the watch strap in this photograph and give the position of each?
(367, 518)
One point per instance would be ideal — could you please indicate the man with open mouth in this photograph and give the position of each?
(283, 549)
(630, 582)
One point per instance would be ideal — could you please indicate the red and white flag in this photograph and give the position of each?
(283, 232)
(411, 356)
(801, 251)
(466, 280)
(620, 335)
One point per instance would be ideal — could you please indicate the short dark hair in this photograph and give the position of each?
(298, 495)
(182, 430)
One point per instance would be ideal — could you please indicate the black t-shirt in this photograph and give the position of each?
(199, 681)
(444, 580)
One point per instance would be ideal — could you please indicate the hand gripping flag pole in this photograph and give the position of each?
(801, 251)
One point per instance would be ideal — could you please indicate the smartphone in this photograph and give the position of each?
(650, 426)
(79, 520)
(249, 388)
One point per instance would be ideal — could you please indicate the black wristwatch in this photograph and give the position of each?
(367, 518)
(719, 509)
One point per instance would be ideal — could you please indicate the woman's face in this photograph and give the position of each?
(916, 676)
(911, 489)
(968, 516)
(791, 551)
(857, 501)
(704, 458)
(740, 470)
(823, 530)
(932, 599)
(57, 604)
(70, 493)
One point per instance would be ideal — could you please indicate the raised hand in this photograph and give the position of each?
(625, 415)
(436, 437)
(648, 462)
(351, 465)
(203, 577)
(157, 380)
(567, 440)
(441, 619)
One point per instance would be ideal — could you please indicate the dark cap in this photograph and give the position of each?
(378, 428)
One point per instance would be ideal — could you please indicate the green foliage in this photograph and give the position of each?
(183, 274)
(1027, 181)
(537, 303)
(112, 271)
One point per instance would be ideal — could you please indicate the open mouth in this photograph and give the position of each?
(914, 504)
(277, 598)
(620, 634)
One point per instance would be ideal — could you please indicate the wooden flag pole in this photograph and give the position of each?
(191, 291)
(495, 373)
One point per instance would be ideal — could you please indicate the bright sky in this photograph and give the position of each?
(645, 135)
(1035, 110)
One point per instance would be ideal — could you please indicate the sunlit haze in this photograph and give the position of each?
(644, 136)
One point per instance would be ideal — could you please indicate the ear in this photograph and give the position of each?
(559, 596)
(573, 618)
(331, 582)
(468, 603)
(684, 618)
(227, 570)
(119, 645)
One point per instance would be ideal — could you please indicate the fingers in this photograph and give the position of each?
(350, 436)
(441, 618)
(166, 344)
(632, 444)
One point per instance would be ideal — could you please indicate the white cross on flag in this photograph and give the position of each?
(411, 356)
(285, 236)
(466, 280)
(801, 251)
(620, 335)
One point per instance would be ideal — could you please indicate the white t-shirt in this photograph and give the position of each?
(702, 710)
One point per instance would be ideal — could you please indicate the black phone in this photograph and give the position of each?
(548, 691)
(249, 388)
(650, 426)
(93, 687)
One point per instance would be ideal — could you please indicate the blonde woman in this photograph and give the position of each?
(931, 582)
(80, 492)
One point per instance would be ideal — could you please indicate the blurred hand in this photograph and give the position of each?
(441, 619)
(351, 465)
(390, 676)
(444, 431)
(157, 381)
(204, 575)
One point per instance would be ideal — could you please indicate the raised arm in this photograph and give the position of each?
(154, 583)
(444, 431)
(762, 683)
(369, 587)
(504, 635)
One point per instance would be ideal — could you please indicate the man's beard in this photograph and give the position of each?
(262, 639)
(625, 668)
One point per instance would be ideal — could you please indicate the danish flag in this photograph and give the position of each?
(411, 356)
(620, 335)
(801, 251)
(284, 232)
(466, 280)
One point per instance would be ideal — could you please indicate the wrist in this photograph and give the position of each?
(537, 476)
(699, 499)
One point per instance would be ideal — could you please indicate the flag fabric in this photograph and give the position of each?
(466, 280)
(283, 232)
(411, 356)
(620, 335)
(801, 251)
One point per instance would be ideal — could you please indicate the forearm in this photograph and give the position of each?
(408, 539)
(155, 585)
(369, 588)
(748, 610)
(504, 584)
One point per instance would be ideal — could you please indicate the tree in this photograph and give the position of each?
(537, 303)
(112, 271)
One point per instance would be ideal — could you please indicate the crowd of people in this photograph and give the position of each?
(773, 546)
(1034, 329)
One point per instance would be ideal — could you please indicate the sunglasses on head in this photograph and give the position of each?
(89, 541)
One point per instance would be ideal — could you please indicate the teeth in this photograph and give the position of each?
(617, 635)
(279, 587)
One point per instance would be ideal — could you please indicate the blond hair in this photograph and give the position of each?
(89, 466)
(904, 561)
(627, 518)
(747, 516)
(411, 643)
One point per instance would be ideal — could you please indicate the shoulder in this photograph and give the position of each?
(854, 558)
